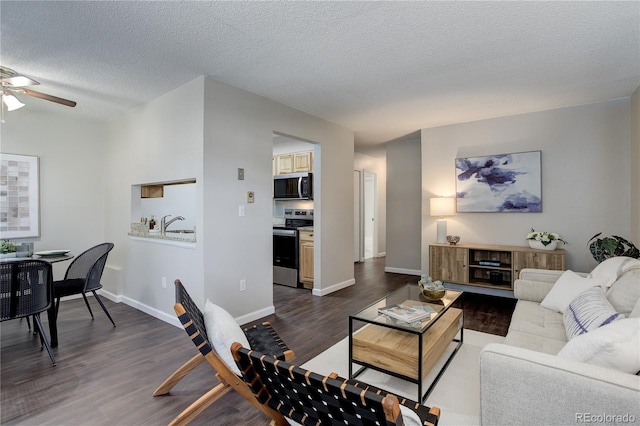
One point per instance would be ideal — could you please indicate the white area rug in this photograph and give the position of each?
(457, 394)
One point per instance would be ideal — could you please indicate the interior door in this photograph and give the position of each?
(369, 201)
(357, 217)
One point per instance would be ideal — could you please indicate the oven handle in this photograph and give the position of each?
(285, 232)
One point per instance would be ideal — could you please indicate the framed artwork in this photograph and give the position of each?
(499, 183)
(19, 196)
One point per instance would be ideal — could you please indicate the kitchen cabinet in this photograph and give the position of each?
(493, 266)
(303, 162)
(151, 191)
(284, 164)
(296, 162)
(306, 258)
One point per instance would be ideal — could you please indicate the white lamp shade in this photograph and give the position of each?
(11, 102)
(442, 206)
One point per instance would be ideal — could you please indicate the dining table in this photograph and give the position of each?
(51, 257)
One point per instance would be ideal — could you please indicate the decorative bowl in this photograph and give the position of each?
(433, 294)
(453, 239)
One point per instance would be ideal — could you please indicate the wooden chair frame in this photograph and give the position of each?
(228, 379)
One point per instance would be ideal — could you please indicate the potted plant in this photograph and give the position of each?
(606, 247)
(544, 240)
(7, 249)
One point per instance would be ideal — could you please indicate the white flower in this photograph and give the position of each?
(544, 237)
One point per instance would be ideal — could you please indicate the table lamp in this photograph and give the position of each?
(442, 206)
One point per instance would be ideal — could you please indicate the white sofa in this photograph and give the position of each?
(524, 381)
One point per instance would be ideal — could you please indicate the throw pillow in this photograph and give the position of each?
(625, 292)
(635, 312)
(409, 416)
(222, 331)
(568, 286)
(610, 269)
(588, 311)
(616, 345)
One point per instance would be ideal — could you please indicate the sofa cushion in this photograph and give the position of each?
(616, 345)
(625, 292)
(610, 269)
(568, 286)
(536, 328)
(635, 313)
(533, 342)
(588, 311)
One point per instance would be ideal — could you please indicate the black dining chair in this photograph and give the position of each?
(83, 275)
(26, 290)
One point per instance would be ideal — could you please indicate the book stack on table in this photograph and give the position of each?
(407, 313)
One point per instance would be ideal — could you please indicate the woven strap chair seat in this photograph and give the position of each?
(312, 399)
(263, 338)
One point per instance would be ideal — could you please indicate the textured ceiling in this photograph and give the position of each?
(382, 69)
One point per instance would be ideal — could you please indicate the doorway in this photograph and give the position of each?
(369, 202)
(364, 215)
(358, 255)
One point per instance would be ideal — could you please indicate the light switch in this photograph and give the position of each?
(240, 173)
(250, 197)
(241, 211)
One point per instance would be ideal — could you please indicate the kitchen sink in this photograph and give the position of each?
(180, 231)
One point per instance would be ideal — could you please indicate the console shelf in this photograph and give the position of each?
(492, 266)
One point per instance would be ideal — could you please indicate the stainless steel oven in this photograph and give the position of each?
(286, 246)
(285, 257)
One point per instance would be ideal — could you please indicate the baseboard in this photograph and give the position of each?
(417, 272)
(113, 297)
(255, 315)
(381, 254)
(173, 320)
(327, 290)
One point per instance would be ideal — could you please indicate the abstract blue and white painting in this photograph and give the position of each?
(499, 183)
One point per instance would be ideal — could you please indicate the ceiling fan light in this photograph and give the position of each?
(20, 81)
(11, 102)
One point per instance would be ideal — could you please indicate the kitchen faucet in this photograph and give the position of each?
(163, 225)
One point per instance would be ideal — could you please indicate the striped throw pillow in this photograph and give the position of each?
(588, 311)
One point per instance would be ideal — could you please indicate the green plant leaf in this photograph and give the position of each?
(604, 248)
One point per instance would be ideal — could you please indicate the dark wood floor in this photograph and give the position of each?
(106, 375)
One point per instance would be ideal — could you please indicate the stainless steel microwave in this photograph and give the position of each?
(293, 186)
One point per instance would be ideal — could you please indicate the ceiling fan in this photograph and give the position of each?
(13, 82)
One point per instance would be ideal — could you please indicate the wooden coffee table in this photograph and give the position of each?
(406, 351)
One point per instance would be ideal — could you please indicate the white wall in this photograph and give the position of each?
(635, 168)
(586, 184)
(238, 132)
(157, 142)
(376, 162)
(87, 170)
(286, 145)
(404, 217)
(72, 184)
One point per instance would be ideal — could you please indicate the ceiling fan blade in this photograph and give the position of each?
(9, 77)
(46, 97)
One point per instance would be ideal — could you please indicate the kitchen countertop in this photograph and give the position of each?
(306, 228)
(139, 230)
